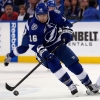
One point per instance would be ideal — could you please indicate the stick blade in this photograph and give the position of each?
(9, 87)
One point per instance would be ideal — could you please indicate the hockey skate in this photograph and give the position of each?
(7, 60)
(92, 89)
(73, 89)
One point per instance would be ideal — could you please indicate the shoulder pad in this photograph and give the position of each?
(57, 11)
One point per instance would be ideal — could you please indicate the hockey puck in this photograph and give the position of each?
(16, 93)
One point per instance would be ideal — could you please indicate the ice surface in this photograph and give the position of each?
(42, 84)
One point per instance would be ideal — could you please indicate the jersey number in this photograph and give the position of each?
(33, 38)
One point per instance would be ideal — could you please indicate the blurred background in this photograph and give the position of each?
(69, 8)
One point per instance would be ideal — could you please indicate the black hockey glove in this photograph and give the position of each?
(66, 35)
(43, 52)
(48, 56)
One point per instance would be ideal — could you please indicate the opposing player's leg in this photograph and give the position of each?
(18, 50)
(70, 60)
(55, 66)
(97, 85)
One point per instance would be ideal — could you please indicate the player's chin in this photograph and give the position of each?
(44, 21)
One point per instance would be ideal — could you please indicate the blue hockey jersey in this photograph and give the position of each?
(46, 34)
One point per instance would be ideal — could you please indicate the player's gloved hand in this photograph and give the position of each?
(44, 53)
(48, 56)
(66, 35)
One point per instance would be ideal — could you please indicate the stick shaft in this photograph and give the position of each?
(80, 17)
(36, 67)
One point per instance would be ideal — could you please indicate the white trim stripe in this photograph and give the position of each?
(15, 51)
(39, 48)
(82, 75)
(27, 26)
(60, 73)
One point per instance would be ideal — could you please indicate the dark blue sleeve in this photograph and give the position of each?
(35, 36)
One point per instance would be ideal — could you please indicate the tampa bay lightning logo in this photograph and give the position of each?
(51, 32)
(34, 26)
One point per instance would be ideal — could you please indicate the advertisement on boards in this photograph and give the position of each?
(85, 44)
(4, 38)
(13, 38)
(86, 39)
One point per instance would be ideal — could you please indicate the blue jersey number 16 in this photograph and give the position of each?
(33, 38)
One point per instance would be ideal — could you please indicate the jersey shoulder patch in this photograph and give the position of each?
(34, 27)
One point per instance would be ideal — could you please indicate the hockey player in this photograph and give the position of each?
(44, 37)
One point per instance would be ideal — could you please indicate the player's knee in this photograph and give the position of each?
(54, 64)
(76, 68)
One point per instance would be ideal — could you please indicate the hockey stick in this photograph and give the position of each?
(80, 17)
(8, 87)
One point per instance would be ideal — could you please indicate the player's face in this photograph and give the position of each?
(51, 8)
(43, 18)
